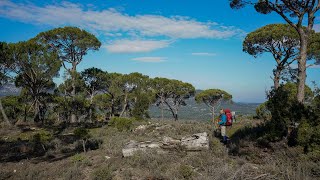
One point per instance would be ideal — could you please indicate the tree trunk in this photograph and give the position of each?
(302, 66)
(90, 108)
(175, 115)
(73, 92)
(124, 107)
(84, 145)
(276, 79)
(4, 115)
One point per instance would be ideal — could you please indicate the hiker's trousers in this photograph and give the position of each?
(223, 131)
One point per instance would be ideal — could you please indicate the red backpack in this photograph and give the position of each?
(229, 117)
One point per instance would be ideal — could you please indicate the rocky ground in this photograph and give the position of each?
(161, 150)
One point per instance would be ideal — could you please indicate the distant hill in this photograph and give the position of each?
(194, 111)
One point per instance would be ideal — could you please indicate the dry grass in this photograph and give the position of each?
(215, 163)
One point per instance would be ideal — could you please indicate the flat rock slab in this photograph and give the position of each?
(195, 142)
(134, 146)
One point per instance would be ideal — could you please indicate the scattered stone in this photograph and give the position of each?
(141, 128)
(107, 157)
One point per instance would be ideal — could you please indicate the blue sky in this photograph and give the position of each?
(199, 42)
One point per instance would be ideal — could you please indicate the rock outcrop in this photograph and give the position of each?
(195, 142)
(134, 146)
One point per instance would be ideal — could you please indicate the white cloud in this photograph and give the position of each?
(150, 59)
(203, 54)
(114, 22)
(136, 46)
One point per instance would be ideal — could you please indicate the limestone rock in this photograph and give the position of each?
(134, 146)
(196, 142)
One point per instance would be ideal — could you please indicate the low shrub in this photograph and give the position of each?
(104, 173)
(122, 124)
(263, 112)
(77, 158)
(83, 134)
(186, 171)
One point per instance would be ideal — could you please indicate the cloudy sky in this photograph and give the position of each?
(197, 41)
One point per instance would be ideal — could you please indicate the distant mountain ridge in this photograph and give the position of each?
(195, 111)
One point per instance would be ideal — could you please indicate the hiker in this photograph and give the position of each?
(222, 123)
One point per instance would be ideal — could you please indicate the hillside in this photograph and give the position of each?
(28, 160)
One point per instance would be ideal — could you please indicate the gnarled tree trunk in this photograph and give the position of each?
(73, 93)
(302, 66)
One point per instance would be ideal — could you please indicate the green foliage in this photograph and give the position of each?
(42, 137)
(82, 133)
(35, 67)
(93, 79)
(13, 107)
(77, 158)
(308, 134)
(272, 38)
(263, 112)
(5, 61)
(212, 96)
(141, 107)
(122, 124)
(71, 44)
(314, 47)
(294, 13)
(286, 111)
(287, 9)
(281, 41)
(74, 81)
(69, 39)
(172, 94)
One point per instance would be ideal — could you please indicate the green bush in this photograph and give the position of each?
(81, 133)
(42, 137)
(122, 124)
(104, 173)
(263, 112)
(286, 111)
(77, 158)
(309, 136)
